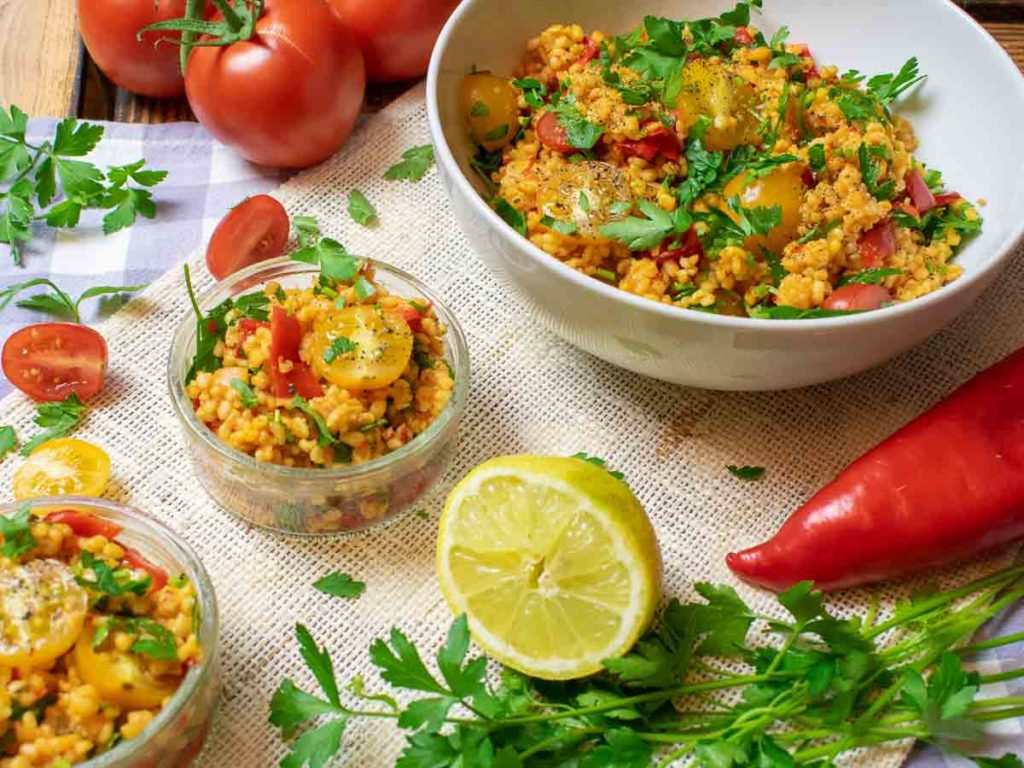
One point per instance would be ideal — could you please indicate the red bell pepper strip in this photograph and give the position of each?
(920, 195)
(877, 244)
(591, 50)
(413, 316)
(285, 336)
(658, 141)
(84, 524)
(689, 246)
(946, 198)
(948, 485)
(139, 563)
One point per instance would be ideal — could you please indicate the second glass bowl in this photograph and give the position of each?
(325, 500)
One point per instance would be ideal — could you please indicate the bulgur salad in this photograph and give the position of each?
(703, 165)
(341, 372)
(95, 638)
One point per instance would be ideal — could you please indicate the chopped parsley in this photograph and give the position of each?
(598, 462)
(512, 216)
(479, 109)
(245, 393)
(336, 263)
(8, 440)
(56, 420)
(870, 171)
(816, 157)
(782, 312)
(579, 132)
(17, 532)
(374, 425)
(360, 208)
(96, 575)
(868, 277)
(872, 103)
(341, 451)
(723, 230)
(533, 90)
(562, 227)
(496, 133)
(819, 231)
(254, 305)
(640, 234)
(151, 638)
(339, 584)
(364, 288)
(339, 346)
(746, 473)
(414, 165)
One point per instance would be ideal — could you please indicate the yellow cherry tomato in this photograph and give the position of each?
(42, 610)
(121, 677)
(63, 467)
(783, 187)
(491, 106)
(359, 347)
(711, 89)
(588, 194)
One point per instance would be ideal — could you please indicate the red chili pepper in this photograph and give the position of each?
(139, 563)
(920, 195)
(658, 141)
(877, 244)
(947, 198)
(690, 246)
(84, 524)
(285, 336)
(591, 51)
(948, 485)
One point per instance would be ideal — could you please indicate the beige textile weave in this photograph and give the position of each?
(530, 393)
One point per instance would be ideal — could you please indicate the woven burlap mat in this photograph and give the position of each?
(530, 393)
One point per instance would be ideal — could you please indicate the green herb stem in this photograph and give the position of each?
(985, 645)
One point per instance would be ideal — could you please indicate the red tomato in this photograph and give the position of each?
(247, 327)
(285, 337)
(139, 563)
(920, 195)
(552, 135)
(289, 96)
(84, 524)
(49, 361)
(858, 297)
(742, 37)
(253, 231)
(413, 317)
(591, 51)
(877, 244)
(658, 141)
(396, 36)
(145, 66)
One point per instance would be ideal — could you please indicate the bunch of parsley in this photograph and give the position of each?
(820, 687)
(48, 182)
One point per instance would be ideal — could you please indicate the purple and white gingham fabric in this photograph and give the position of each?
(204, 180)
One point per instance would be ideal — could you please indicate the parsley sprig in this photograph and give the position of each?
(872, 102)
(57, 302)
(56, 420)
(821, 686)
(37, 175)
(414, 164)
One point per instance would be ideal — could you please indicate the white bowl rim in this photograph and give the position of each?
(447, 158)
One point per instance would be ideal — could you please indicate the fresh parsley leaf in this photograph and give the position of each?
(579, 132)
(57, 302)
(319, 662)
(496, 133)
(342, 345)
(746, 473)
(889, 87)
(867, 277)
(1009, 760)
(210, 329)
(944, 699)
(245, 393)
(562, 227)
(94, 574)
(479, 109)
(465, 680)
(783, 312)
(819, 231)
(400, 664)
(512, 216)
(339, 584)
(364, 288)
(599, 462)
(640, 234)
(8, 440)
(533, 90)
(17, 532)
(870, 171)
(75, 139)
(326, 438)
(816, 157)
(56, 420)
(360, 208)
(414, 165)
(151, 638)
(290, 707)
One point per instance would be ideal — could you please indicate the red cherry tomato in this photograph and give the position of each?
(289, 96)
(84, 524)
(139, 563)
(858, 298)
(285, 337)
(690, 245)
(49, 361)
(396, 36)
(552, 135)
(877, 244)
(147, 66)
(413, 317)
(253, 231)
(921, 197)
(658, 141)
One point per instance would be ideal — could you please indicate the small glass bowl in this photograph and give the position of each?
(175, 736)
(328, 500)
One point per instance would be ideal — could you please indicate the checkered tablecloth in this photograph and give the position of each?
(205, 180)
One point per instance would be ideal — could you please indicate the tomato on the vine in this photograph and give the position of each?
(148, 66)
(396, 36)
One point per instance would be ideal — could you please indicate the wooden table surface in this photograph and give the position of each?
(46, 71)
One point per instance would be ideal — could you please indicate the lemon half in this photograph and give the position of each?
(553, 560)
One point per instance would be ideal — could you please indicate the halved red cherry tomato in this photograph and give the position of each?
(920, 195)
(253, 231)
(658, 141)
(413, 316)
(947, 198)
(877, 244)
(858, 297)
(84, 524)
(552, 135)
(285, 337)
(49, 361)
(591, 51)
(139, 563)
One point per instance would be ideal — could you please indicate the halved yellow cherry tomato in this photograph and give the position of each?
(42, 610)
(120, 677)
(585, 194)
(783, 187)
(359, 347)
(491, 106)
(711, 89)
(63, 467)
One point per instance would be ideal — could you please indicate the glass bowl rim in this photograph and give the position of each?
(209, 619)
(421, 444)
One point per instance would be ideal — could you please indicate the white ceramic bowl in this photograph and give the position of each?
(968, 114)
